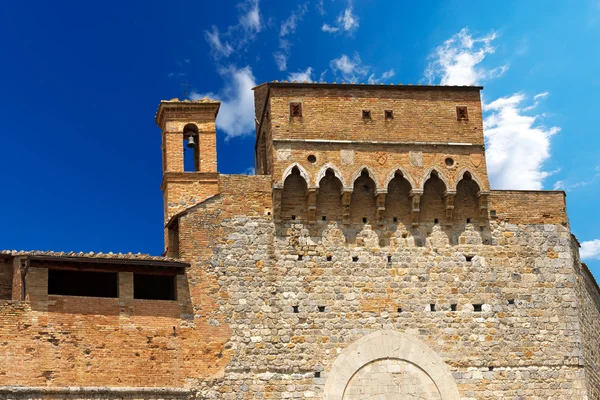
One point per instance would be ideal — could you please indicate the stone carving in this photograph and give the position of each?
(347, 157)
(381, 157)
(284, 152)
(416, 158)
(476, 159)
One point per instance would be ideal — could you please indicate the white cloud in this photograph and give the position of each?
(289, 25)
(236, 115)
(346, 21)
(320, 7)
(301, 76)
(250, 19)
(457, 61)
(590, 250)
(351, 70)
(219, 48)
(564, 185)
(280, 60)
(383, 78)
(516, 145)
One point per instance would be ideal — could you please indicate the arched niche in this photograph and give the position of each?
(381, 362)
(466, 208)
(362, 205)
(294, 204)
(398, 205)
(329, 205)
(432, 200)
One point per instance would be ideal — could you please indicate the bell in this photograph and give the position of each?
(191, 142)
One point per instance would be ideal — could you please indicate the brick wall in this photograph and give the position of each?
(529, 207)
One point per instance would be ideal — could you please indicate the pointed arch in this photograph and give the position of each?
(359, 171)
(392, 174)
(336, 171)
(386, 345)
(288, 172)
(460, 176)
(440, 175)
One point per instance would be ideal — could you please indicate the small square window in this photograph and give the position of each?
(295, 110)
(461, 113)
(389, 114)
(366, 114)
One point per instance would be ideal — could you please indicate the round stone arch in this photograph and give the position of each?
(394, 349)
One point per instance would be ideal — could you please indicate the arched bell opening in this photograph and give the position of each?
(329, 205)
(397, 201)
(362, 205)
(191, 145)
(432, 202)
(294, 204)
(466, 209)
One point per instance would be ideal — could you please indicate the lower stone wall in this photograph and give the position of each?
(496, 301)
(589, 307)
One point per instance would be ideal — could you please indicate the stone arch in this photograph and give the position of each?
(398, 204)
(432, 203)
(336, 171)
(388, 345)
(440, 175)
(288, 172)
(358, 173)
(460, 176)
(392, 174)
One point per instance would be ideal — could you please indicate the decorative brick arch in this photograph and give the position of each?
(359, 171)
(336, 172)
(288, 172)
(440, 174)
(460, 175)
(388, 345)
(392, 174)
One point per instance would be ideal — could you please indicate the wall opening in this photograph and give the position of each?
(83, 283)
(191, 146)
(293, 199)
(465, 202)
(362, 205)
(154, 287)
(6, 278)
(329, 197)
(432, 201)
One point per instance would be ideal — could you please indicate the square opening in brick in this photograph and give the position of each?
(452, 307)
(321, 308)
(295, 109)
(329, 258)
(366, 114)
(477, 307)
(461, 113)
(389, 114)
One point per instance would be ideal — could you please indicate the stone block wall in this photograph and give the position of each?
(588, 294)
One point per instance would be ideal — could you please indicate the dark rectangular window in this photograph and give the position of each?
(154, 287)
(83, 283)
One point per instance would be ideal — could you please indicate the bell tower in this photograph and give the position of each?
(189, 152)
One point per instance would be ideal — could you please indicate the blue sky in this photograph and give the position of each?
(81, 82)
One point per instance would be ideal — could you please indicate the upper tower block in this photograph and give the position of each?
(356, 133)
(188, 131)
